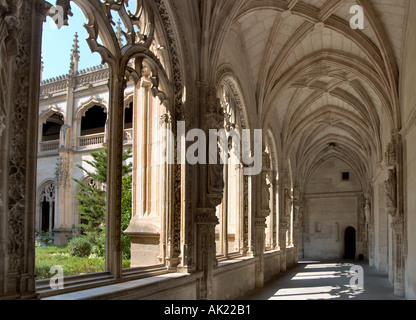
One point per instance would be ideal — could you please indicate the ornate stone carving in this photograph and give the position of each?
(213, 111)
(213, 117)
(18, 141)
(9, 9)
(2, 125)
(367, 210)
(265, 184)
(48, 193)
(297, 206)
(391, 192)
(165, 119)
(288, 203)
(62, 173)
(391, 154)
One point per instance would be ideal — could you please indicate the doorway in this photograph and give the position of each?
(349, 243)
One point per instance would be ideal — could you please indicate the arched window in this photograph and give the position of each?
(128, 123)
(93, 122)
(128, 116)
(93, 126)
(230, 211)
(46, 202)
(50, 134)
(52, 127)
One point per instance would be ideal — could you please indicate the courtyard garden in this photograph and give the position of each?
(85, 248)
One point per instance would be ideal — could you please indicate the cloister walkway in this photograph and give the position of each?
(315, 280)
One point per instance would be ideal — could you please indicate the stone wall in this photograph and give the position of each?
(331, 207)
(233, 278)
(271, 264)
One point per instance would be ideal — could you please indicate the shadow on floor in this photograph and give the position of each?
(326, 280)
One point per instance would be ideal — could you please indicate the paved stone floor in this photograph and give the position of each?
(313, 280)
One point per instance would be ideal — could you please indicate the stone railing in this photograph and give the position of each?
(99, 138)
(46, 146)
(91, 140)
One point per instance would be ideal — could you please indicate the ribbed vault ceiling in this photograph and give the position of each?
(330, 86)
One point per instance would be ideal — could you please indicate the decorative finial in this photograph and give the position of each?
(42, 68)
(74, 56)
(119, 33)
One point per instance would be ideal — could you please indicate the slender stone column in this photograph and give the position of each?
(284, 223)
(259, 227)
(297, 221)
(275, 229)
(205, 222)
(117, 86)
(164, 192)
(224, 215)
(263, 211)
(246, 213)
(397, 226)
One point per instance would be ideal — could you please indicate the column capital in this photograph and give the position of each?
(206, 216)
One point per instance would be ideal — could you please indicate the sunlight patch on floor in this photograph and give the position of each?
(306, 293)
(317, 275)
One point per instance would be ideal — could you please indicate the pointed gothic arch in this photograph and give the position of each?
(46, 198)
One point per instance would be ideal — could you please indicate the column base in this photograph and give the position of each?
(399, 290)
(145, 242)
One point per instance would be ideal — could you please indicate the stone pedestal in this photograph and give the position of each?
(282, 241)
(206, 259)
(60, 237)
(145, 242)
(259, 230)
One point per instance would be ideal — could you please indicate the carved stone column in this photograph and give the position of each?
(19, 131)
(275, 240)
(246, 213)
(394, 207)
(368, 217)
(206, 221)
(260, 219)
(259, 227)
(398, 254)
(285, 210)
(167, 222)
(63, 197)
(211, 191)
(297, 220)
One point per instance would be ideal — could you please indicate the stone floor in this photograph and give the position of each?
(313, 280)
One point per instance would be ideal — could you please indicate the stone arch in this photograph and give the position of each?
(86, 105)
(227, 77)
(46, 198)
(51, 110)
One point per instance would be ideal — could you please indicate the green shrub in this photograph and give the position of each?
(79, 247)
(49, 256)
(45, 238)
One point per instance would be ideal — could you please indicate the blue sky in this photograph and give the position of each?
(57, 45)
